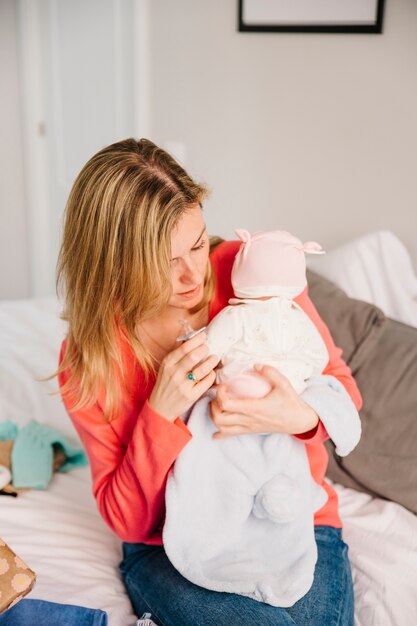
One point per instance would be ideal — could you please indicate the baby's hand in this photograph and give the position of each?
(281, 410)
(248, 385)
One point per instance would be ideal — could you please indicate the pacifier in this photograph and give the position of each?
(189, 331)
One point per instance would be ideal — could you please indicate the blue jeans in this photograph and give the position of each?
(154, 586)
(29, 612)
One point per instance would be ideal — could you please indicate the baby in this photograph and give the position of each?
(240, 510)
(263, 324)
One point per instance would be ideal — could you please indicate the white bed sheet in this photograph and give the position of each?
(61, 536)
(382, 540)
(59, 532)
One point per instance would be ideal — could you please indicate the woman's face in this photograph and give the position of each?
(189, 257)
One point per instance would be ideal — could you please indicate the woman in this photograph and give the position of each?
(134, 264)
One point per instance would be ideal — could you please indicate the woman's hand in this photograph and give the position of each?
(174, 393)
(280, 411)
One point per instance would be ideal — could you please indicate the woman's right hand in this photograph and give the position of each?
(174, 393)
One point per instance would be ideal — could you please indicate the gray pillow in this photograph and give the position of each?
(385, 461)
(355, 325)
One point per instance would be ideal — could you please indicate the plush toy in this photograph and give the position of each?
(240, 510)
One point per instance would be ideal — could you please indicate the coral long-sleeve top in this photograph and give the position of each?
(131, 455)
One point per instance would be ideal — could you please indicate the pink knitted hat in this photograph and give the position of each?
(271, 263)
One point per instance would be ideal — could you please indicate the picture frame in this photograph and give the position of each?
(311, 16)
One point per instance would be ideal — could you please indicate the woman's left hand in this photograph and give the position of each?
(280, 411)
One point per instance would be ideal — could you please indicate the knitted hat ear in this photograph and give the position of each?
(244, 235)
(312, 247)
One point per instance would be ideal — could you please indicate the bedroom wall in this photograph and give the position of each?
(14, 274)
(313, 133)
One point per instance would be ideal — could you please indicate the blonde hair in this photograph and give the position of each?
(114, 262)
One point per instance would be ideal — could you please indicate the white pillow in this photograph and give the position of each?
(376, 268)
(30, 338)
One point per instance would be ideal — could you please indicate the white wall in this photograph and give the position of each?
(313, 133)
(14, 271)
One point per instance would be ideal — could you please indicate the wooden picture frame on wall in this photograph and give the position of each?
(310, 16)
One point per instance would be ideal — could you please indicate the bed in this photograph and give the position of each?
(61, 536)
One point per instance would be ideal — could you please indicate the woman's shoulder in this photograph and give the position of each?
(223, 252)
(222, 259)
